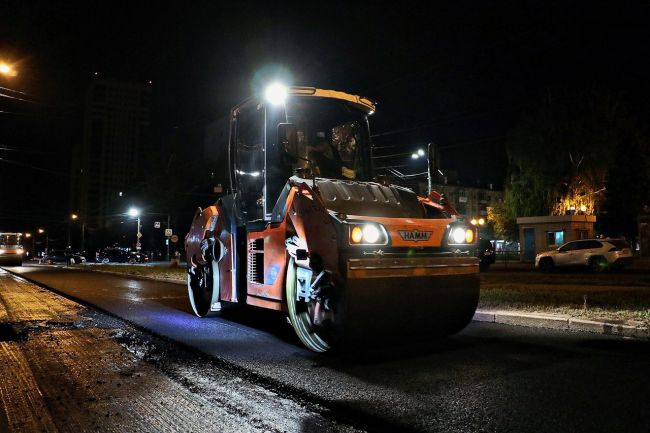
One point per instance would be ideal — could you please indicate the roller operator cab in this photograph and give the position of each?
(307, 232)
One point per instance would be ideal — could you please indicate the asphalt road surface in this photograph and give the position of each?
(490, 377)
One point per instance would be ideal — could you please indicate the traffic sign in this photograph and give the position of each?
(175, 238)
(168, 232)
(156, 224)
(139, 235)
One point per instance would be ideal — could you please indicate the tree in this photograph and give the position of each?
(627, 186)
(559, 155)
(504, 226)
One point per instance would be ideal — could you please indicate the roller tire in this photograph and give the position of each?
(300, 317)
(203, 288)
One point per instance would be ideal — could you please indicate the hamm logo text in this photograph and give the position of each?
(414, 235)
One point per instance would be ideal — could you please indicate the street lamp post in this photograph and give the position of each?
(47, 238)
(27, 236)
(73, 217)
(135, 213)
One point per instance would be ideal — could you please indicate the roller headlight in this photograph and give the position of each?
(356, 235)
(368, 234)
(461, 235)
(371, 233)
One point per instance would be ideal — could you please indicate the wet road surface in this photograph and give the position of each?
(488, 378)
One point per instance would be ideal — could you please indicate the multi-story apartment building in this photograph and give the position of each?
(116, 118)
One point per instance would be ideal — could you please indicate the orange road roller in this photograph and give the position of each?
(305, 230)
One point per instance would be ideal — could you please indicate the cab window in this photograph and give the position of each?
(568, 247)
(249, 161)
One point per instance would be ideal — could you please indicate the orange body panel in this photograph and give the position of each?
(198, 231)
(275, 263)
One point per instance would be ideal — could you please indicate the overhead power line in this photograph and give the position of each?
(33, 167)
(12, 90)
(20, 99)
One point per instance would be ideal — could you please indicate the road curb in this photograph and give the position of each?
(548, 321)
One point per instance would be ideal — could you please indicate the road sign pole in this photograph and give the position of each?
(168, 237)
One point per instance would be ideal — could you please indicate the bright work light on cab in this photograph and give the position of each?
(276, 93)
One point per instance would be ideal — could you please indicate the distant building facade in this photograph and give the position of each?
(472, 201)
(469, 200)
(105, 165)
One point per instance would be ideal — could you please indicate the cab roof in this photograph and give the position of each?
(360, 101)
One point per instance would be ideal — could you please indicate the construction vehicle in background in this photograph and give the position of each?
(306, 231)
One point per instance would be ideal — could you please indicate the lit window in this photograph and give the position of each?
(555, 237)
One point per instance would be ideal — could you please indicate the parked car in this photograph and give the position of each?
(118, 255)
(597, 254)
(63, 256)
(485, 253)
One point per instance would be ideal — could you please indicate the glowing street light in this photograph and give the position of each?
(7, 70)
(418, 154)
(74, 216)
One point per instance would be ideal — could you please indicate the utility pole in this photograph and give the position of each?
(429, 160)
(433, 164)
(83, 235)
(138, 236)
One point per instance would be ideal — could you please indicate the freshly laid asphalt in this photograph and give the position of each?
(490, 377)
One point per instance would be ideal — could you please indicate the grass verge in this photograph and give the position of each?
(607, 306)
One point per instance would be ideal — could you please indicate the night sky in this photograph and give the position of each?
(456, 73)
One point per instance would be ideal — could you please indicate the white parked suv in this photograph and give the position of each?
(598, 254)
